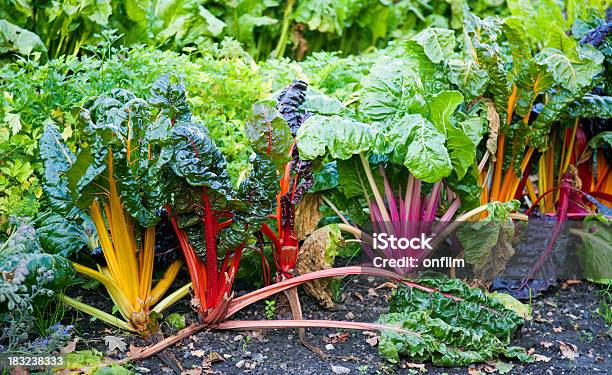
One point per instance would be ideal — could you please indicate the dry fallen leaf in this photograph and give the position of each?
(372, 341)
(489, 368)
(568, 350)
(359, 296)
(541, 358)
(372, 293)
(473, 371)
(214, 357)
(198, 353)
(313, 257)
(418, 366)
(558, 329)
(570, 283)
(337, 337)
(195, 303)
(134, 350)
(539, 319)
(70, 347)
(531, 351)
(546, 344)
(115, 343)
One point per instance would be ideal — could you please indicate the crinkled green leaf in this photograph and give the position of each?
(468, 188)
(572, 72)
(469, 77)
(58, 235)
(542, 20)
(592, 106)
(595, 249)
(198, 160)
(418, 145)
(437, 43)
(14, 39)
(256, 196)
(215, 25)
(603, 138)
(318, 103)
(168, 93)
(441, 107)
(341, 137)
(487, 244)
(461, 148)
(326, 178)
(445, 331)
(57, 159)
(521, 309)
(121, 133)
(269, 134)
(390, 90)
(352, 180)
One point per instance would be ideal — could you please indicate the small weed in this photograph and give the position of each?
(586, 336)
(245, 343)
(270, 309)
(362, 369)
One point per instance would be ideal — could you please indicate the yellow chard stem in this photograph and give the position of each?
(146, 263)
(121, 232)
(117, 295)
(172, 298)
(165, 282)
(90, 310)
(105, 242)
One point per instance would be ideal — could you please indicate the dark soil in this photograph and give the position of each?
(562, 317)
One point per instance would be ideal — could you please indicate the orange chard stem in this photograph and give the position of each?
(499, 164)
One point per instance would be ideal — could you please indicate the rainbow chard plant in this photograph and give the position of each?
(117, 180)
(272, 131)
(407, 149)
(212, 220)
(530, 75)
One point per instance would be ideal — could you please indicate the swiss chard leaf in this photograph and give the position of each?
(474, 329)
(342, 137)
(58, 158)
(269, 134)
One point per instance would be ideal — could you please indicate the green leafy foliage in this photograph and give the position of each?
(200, 168)
(36, 95)
(14, 39)
(269, 134)
(487, 244)
(595, 249)
(29, 280)
(265, 27)
(475, 329)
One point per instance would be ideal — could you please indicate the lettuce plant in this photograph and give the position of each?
(116, 178)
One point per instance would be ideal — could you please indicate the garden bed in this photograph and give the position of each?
(563, 315)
